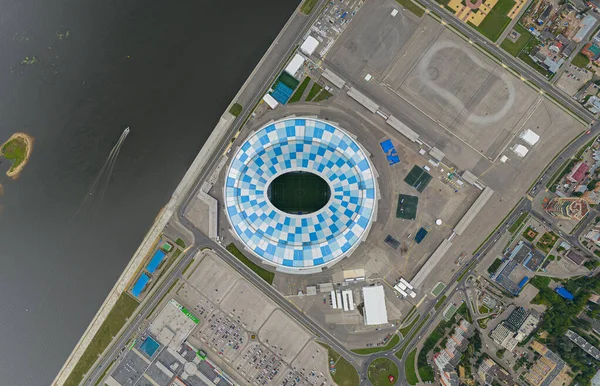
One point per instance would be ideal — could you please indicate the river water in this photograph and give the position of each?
(74, 74)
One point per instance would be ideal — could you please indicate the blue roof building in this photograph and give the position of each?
(155, 261)
(139, 285)
(564, 293)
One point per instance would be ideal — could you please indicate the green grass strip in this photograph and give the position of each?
(440, 302)
(409, 368)
(515, 227)
(300, 90)
(111, 326)
(406, 330)
(267, 276)
(370, 350)
(323, 95)
(307, 7)
(314, 90)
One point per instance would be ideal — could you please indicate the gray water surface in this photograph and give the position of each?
(167, 69)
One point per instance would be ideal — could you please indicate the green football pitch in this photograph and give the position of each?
(299, 192)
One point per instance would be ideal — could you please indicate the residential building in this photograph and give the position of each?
(593, 104)
(546, 58)
(577, 174)
(546, 368)
(568, 208)
(584, 344)
(594, 234)
(447, 359)
(488, 370)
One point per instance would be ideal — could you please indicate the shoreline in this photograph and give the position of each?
(14, 172)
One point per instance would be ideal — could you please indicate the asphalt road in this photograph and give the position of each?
(273, 63)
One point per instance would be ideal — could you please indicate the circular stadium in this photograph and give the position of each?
(300, 193)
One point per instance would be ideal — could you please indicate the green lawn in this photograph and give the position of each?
(483, 309)
(110, 328)
(409, 368)
(307, 7)
(496, 21)
(345, 373)
(300, 90)
(15, 151)
(516, 47)
(414, 8)
(266, 275)
(412, 311)
(314, 90)
(547, 241)
(529, 234)
(236, 109)
(406, 330)
(540, 282)
(370, 350)
(495, 265)
(324, 94)
(517, 224)
(180, 242)
(379, 371)
(440, 302)
(580, 60)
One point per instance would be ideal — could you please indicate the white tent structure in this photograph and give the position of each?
(270, 101)
(294, 65)
(520, 150)
(375, 311)
(309, 46)
(530, 137)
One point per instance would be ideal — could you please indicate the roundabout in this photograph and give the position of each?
(300, 194)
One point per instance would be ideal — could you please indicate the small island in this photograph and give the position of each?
(17, 150)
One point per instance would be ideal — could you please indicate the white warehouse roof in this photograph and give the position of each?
(270, 100)
(309, 46)
(520, 150)
(375, 311)
(294, 65)
(530, 137)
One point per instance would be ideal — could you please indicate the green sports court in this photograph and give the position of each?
(407, 207)
(418, 178)
(299, 192)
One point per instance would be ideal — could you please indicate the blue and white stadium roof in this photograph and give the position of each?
(307, 241)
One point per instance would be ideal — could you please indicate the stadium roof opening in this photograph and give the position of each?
(301, 242)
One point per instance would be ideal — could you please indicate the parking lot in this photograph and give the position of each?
(245, 333)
